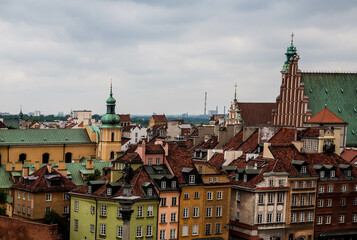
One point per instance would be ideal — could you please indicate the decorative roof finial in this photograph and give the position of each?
(292, 37)
(235, 91)
(111, 86)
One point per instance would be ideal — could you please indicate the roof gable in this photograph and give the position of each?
(325, 116)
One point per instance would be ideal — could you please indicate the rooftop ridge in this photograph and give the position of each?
(334, 72)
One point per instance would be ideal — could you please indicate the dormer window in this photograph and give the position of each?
(149, 192)
(173, 184)
(211, 179)
(304, 144)
(303, 169)
(349, 173)
(271, 183)
(322, 174)
(333, 173)
(163, 184)
(109, 191)
(237, 176)
(89, 189)
(281, 183)
(192, 179)
(310, 145)
(245, 178)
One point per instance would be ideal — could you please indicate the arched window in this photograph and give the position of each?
(22, 157)
(68, 157)
(111, 155)
(112, 137)
(45, 157)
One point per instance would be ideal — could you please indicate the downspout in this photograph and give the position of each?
(64, 150)
(96, 217)
(8, 153)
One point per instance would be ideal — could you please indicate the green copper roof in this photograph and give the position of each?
(5, 178)
(339, 92)
(110, 119)
(290, 52)
(43, 137)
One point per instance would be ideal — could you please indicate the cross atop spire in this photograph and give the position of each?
(292, 37)
(111, 86)
(235, 91)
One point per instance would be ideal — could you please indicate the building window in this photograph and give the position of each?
(140, 212)
(150, 161)
(185, 231)
(332, 173)
(309, 144)
(209, 195)
(310, 216)
(219, 212)
(281, 183)
(200, 169)
(163, 218)
(328, 220)
(196, 212)
(270, 198)
(312, 184)
(149, 230)
(328, 202)
(342, 219)
(120, 231)
(355, 201)
(174, 201)
(109, 191)
(293, 217)
(269, 217)
(65, 209)
(330, 189)
(261, 199)
(173, 184)
(219, 196)
(48, 197)
(163, 184)
(29, 197)
(150, 192)
(303, 184)
(92, 228)
(112, 137)
(208, 229)
(103, 210)
(194, 229)
(103, 229)
(162, 234)
(342, 201)
(23, 209)
(23, 196)
(208, 212)
(197, 195)
(192, 179)
(294, 201)
(278, 217)
(150, 212)
(76, 206)
(75, 224)
(120, 215)
(45, 157)
(173, 217)
(260, 218)
(280, 197)
(18, 208)
(157, 161)
(216, 179)
(321, 203)
(186, 196)
(311, 200)
(322, 174)
(29, 210)
(139, 231)
(47, 209)
(185, 213)
(89, 189)
(302, 217)
(296, 185)
(321, 189)
(163, 202)
(354, 218)
(172, 233)
(302, 200)
(319, 220)
(19, 195)
(218, 228)
(91, 210)
(245, 179)
(343, 188)
(316, 145)
(68, 157)
(271, 183)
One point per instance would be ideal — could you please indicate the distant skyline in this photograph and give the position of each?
(163, 55)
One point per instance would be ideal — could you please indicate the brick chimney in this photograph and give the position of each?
(37, 165)
(8, 167)
(90, 164)
(25, 171)
(18, 166)
(49, 168)
(61, 165)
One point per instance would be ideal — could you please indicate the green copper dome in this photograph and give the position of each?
(290, 53)
(110, 119)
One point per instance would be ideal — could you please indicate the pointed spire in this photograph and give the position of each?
(111, 86)
(235, 91)
(21, 115)
(292, 38)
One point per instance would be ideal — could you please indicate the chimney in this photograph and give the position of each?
(37, 165)
(8, 167)
(61, 165)
(18, 166)
(49, 168)
(90, 164)
(166, 148)
(25, 171)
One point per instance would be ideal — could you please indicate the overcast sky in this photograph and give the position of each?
(163, 55)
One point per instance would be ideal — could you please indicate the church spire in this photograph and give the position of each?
(235, 91)
(110, 118)
(290, 53)
(21, 115)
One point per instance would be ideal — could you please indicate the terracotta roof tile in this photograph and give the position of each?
(209, 144)
(235, 142)
(130, 157)
(284, 135)
(159, 118)
(217, 160)
(350, 155)
(124, 117)
(256, 113)
(154, 149)
(325, 116)
(124, 140)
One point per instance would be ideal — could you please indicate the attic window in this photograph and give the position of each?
(192, 179)
(303, 169)
(245, 179)
(349, 173)
(89, 189)
(149, 192)
(322, 174)
(163, 184)
(109, 191)
(333, 173)
(200, 169)
(173, 184)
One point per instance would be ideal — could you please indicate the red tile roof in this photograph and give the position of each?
(284, 135)
(217, 160)
(41, 184)
(2, 125)
(310, 132)
(256, 113)
(325, 116)
(127, 128)
(151, 148)
(81, 124)
(209, 144)
(235, 142)
(195, 132)
(159, 118)
(350, 155)
(130, 157)
(124, 117)
(124, 140)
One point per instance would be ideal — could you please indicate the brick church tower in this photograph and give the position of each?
(291, 105)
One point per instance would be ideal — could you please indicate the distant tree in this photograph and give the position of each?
(3, 197)
(94, 176)
(52, 217)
